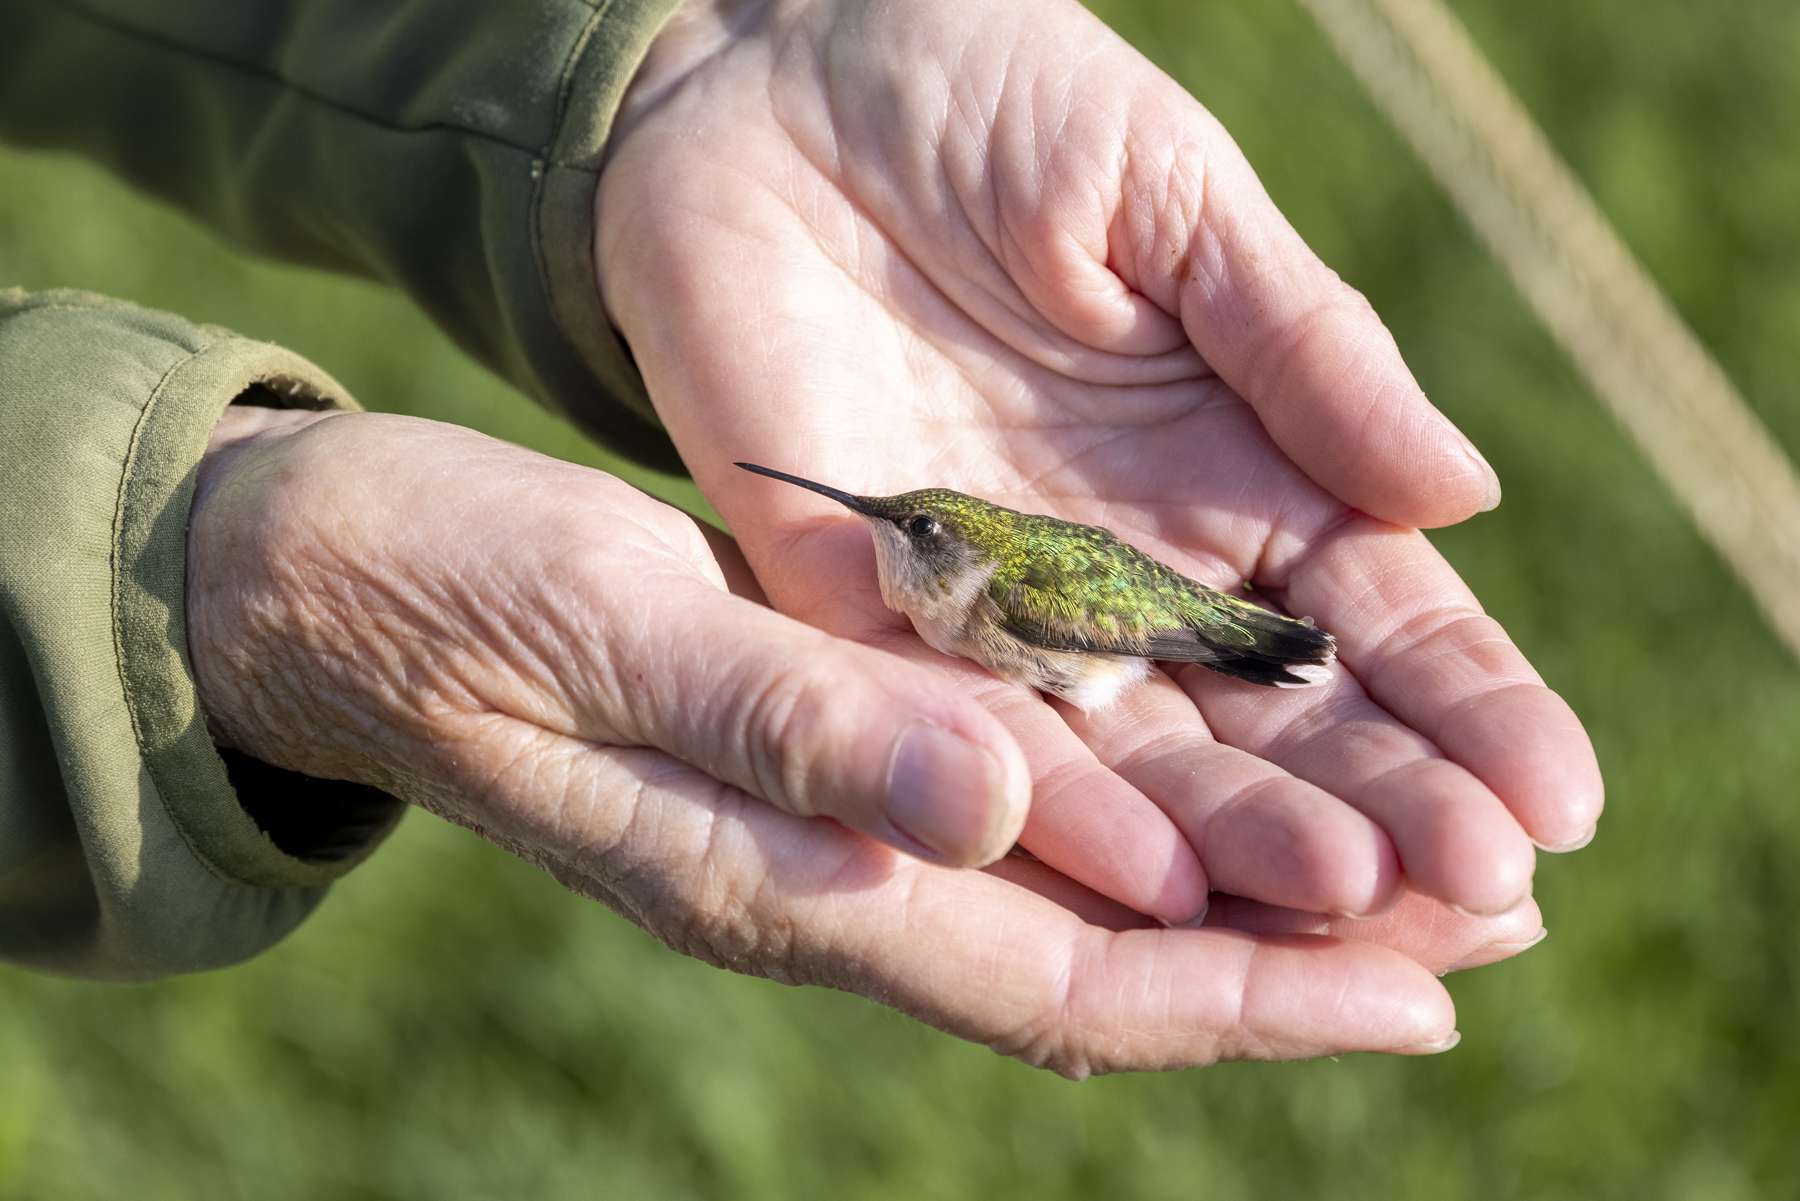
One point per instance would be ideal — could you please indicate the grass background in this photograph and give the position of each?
(497, 1037)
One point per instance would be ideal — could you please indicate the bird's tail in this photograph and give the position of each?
(1267, 648)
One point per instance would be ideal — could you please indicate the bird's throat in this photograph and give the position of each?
(939, 599)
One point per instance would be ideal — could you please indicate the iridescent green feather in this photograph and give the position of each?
(1062, 584)
(1081, 586)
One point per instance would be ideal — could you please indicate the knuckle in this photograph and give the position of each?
(727, 935)
(1446, 645)
(732, 928)
(1059, 1035)
(719, 906)
(1047, 1048)
(1339, 317)
(777, 722)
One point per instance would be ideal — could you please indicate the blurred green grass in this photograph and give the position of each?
(500, 1038)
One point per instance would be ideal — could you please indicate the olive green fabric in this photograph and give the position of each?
(448, 146)
(124, 849)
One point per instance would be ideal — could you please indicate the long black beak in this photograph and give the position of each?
(854, 503)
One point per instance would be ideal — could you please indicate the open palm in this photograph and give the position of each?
(990, 247)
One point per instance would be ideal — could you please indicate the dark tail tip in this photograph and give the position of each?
(1285, 653)
(1269, 673)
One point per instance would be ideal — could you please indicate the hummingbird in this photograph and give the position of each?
(1068, 609)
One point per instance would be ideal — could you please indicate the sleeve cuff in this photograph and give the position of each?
(571, 341)
(165, 866)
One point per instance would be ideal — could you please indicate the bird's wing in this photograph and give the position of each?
(1212, 629)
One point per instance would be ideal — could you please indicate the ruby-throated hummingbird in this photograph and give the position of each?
(1066, 608)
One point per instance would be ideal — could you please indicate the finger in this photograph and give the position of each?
(1086, 821)
(1456, 840)
(1083, 902)
(745, 885)
(1417, 926)
(730, 558)
(1299, 344)
(1417, 640)
(810, 723)
(1259, 832)
(1081, 1000)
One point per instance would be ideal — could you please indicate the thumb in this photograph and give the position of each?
(1321, 370)
(1299, 345)
(820, 726)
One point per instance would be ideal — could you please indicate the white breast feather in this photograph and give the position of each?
(1101, 680)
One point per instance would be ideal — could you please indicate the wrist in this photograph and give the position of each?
(220, 551)
(242, 425)
(693, 34)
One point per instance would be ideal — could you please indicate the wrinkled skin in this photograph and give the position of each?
(887, 246)
(990, 247)
(545, 655)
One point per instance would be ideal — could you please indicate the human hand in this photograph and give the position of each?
(991, 247)
(547, 656)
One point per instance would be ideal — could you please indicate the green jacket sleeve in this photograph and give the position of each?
(129, 846)
(448, 146)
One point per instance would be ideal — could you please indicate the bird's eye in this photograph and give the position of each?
(921, 526)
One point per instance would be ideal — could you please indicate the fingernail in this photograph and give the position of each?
(1494, 952)
(1572, 845)
(1436, 1048)
(1374, 911)
(1485, 468)
(1198, 920)
(947, 794)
